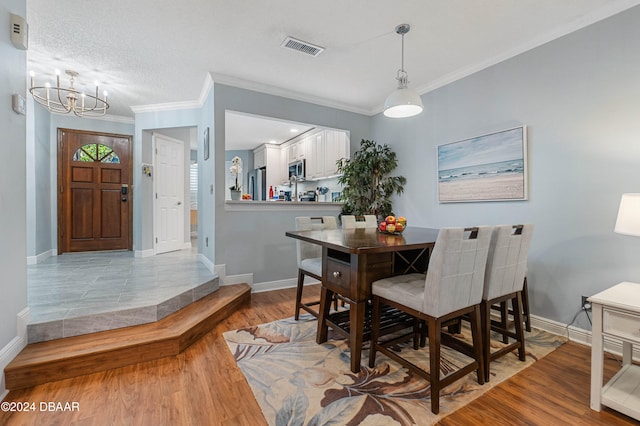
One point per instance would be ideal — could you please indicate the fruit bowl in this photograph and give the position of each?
(392, 225)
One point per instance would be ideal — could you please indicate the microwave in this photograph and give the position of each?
(296, 169)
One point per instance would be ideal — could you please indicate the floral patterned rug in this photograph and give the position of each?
(298, 382)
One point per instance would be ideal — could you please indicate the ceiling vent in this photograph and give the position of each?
(302, 46)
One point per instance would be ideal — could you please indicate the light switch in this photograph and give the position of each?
(18, 104)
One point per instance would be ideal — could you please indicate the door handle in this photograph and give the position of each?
(179, 203)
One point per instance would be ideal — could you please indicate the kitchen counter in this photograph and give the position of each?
(251, 205)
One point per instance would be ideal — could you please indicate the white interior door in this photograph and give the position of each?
(169, 193)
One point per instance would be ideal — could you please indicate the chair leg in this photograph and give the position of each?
(485, 326)
(299, 293)
(476, 336)
(504, 320)
(434, 363)
(375, 330)
(517, 316)
(525, 305)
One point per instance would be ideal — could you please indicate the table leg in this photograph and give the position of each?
(356, 317)
(326, 296)
(597, 357)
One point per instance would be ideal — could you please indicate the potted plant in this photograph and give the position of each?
(368, 184)
(235, 169)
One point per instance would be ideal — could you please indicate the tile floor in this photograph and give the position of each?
(82, 293)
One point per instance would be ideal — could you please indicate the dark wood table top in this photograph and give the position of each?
(360, 240)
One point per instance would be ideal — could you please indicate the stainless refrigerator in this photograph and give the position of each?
(258, 183)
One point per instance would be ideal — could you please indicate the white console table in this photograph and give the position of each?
(616, 313)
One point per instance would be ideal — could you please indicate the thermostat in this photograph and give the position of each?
(19, 32)
(18, 103)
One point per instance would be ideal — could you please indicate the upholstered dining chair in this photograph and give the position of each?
(309, 257)
(366, 221)
(452, 287)
(504, 281)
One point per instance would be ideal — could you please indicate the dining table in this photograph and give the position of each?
(352, 259)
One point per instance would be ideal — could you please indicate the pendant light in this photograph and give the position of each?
(403, 102)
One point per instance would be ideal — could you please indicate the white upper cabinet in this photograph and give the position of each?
(324, 151)
(315, 159)
(269, 156)
(336, 145)
(259, 158)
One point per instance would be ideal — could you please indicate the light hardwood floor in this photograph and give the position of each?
(203, 386)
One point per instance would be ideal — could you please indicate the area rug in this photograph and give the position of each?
(298, 382)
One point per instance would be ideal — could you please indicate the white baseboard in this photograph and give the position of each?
(13, 348)
(280, 284)
(225, 279)
(34, 260)
(238, 279)
(221, 272)
(144, 253)
(580, 335)
(206, 262)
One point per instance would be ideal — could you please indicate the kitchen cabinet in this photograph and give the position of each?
(315, 161)
(336, 147)
(284, 163)
(259, 157)
(269, 156)
(297, 150)
(324, 151)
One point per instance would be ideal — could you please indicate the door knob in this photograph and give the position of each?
(179, 203)
(336, 274)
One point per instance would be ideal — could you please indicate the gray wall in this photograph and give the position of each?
(43, 220)
(580, 98)
(162, 122)
(254, 241)
(13, 284)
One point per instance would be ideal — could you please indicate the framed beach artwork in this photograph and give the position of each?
(490, 167)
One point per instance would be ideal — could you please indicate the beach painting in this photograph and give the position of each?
(491, 167)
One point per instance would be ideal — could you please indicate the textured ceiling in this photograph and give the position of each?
(148, 52)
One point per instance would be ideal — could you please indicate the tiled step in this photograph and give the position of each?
(107, 318)
(89, 353)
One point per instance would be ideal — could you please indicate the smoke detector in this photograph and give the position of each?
(301, 46)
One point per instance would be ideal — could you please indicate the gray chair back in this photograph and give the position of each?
(306, 250)
(365, 221)
(455, 277)
(507, 260)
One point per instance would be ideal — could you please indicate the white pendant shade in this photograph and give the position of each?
(403, 103)
(628, 221)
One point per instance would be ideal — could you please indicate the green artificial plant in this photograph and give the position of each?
(368, 186)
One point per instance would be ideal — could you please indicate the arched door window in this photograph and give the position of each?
(96, 152)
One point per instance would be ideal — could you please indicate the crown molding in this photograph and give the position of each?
(597, 15)
(114, 118)
(289, 94)
(170, 106)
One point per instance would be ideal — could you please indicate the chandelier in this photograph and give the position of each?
(403, 102)
(63, 100)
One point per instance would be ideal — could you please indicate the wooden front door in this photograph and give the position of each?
(94, 194)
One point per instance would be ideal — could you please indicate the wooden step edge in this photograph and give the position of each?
(124, 337)
(59, 365)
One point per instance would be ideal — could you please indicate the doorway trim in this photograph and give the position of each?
(60, 179)
(181, 244)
